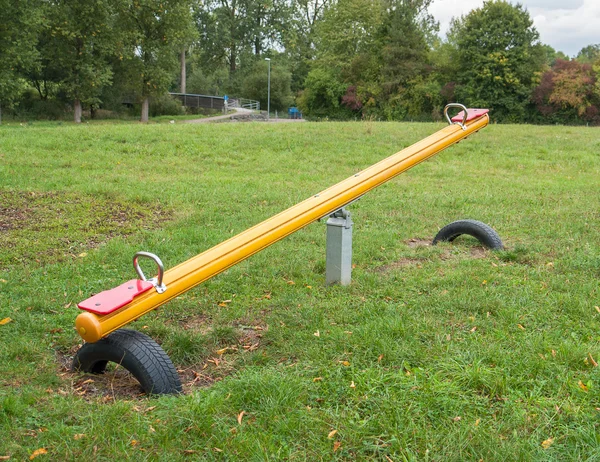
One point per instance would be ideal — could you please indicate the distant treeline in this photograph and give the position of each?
(335, 59)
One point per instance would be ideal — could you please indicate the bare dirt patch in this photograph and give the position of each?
(474, 252)
(42, 227)
(118, 384)
(418, 242)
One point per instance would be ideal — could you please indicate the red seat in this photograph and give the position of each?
(471, 114)
(111, 300)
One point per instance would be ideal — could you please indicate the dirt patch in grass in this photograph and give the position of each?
(418, 242)
(118, 384)
(474, 252)
(402, 263)
(43, 227)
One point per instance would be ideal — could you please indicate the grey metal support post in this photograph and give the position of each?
(338, 268)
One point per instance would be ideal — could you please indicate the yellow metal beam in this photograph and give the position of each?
(213, 261)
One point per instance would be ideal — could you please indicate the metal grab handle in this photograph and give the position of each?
(157, 282)
(465, 114)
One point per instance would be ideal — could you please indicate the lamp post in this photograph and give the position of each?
(268, 89)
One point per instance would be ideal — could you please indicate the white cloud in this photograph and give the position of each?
(566, 25)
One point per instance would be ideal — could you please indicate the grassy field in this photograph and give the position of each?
(446, 353)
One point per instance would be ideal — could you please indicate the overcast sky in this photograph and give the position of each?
(565, 25)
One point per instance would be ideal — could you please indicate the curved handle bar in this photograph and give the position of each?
(156, 282)
(465, 114)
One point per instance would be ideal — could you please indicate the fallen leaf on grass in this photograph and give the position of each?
(379, 358)
(477, 422)
(240, 417)
(597, 308)
(547, 443)
(224, 350)
(582, 385)
(4, 457)
(336, 445)
(520, 327)
(352, 385)
(134, 442)
(5, 321)
(318, 379)
(82, 254)
(38, 452)
(317, 334)
(344, 363)
(4, 281)
(592, 360)
(457, 418)
(79, 436)
(331, 434)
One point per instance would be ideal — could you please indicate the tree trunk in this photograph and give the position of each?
(77, 111)
(232, 59)
(183, 74)
(145, 107)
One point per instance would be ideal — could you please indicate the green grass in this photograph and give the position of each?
(125, 120)
(455, 354)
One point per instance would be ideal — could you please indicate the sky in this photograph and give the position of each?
(565, 25)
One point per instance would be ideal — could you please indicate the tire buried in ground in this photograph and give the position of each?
(137, 353)
(485, 234)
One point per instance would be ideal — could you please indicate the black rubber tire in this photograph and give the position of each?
(480, 231)
(137, 353)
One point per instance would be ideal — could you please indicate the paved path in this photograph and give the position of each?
(240, 113)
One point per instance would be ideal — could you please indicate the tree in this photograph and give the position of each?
(80, 38)
(156, 32)
(589, 54)
(255, 84)
(500, 58)
(21, 22)
(407, 91)
(567, 93)
(377, 51)
(345, 71)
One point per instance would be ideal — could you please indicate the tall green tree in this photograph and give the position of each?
(589, 54)
(157, 30)
(500, 58)
(347, 45)
(80, 39)
(21, 23)
(405, 58)
(377, 53)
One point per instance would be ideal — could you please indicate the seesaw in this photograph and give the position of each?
(107, 312)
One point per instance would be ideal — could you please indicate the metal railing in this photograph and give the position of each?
(244, 103)
(205, 101)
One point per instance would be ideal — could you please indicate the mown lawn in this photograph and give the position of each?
(446, 353)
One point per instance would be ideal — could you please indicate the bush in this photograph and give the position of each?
(32, 107)
(165, 105)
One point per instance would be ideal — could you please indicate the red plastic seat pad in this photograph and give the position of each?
(111, 300)
(471, 114)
